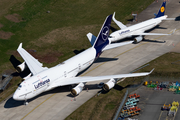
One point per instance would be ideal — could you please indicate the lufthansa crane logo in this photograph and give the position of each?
(105, 33)
(162, 9)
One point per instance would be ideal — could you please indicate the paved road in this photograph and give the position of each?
(58, 103)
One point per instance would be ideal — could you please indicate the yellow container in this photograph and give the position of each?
(175, 104)
(146, 82)
(156, 82)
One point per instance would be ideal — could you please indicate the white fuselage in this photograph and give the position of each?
(41, 82)
(135, 29)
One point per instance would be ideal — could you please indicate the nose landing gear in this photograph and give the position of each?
(25, 102)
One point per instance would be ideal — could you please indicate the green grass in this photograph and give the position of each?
(36, 23)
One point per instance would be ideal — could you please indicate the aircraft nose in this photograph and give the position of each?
(15, 97)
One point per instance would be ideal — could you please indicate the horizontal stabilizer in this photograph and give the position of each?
(155, 14)
(170, 19)
(114, 45)
(91, 38)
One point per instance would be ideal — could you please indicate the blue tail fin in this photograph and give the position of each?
(161, 10)
(102, 39)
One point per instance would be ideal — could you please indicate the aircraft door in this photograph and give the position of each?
(65, 74)
(79, 66)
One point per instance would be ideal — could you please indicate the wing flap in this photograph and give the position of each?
(34, 65)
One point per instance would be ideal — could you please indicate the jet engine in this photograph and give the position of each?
(21, 67)
(76, 90)
(26, 77)
(110, 84)
(138, 39)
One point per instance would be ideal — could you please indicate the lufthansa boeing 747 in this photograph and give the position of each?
(43, 79)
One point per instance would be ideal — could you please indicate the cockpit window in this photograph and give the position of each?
(20, 86)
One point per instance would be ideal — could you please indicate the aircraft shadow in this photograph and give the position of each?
(155, 41)
(11, 103)
(156, 27)
(177, 18)
(15, 62)
(130, 20)
(78, 51)
(113, 29)
(119, 88)
(103, 59)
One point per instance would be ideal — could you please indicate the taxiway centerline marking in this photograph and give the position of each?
(38, 106)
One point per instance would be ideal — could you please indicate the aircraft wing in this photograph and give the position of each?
(75, 80)
(34, 65)
(149, 34)
(114, 45)
(122, 26)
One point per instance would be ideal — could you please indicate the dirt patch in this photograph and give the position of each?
(5, 35)
(47, 56)
(14, 18)
(63, 34)
(1, 25)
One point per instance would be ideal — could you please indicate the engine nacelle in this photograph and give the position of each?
(76, 90)
(138, 39)
(109, 85)
(21, 67)
(28, 76)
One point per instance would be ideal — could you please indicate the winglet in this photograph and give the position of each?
(20, 46)
(151, 71)
(119, 24)
(114, 15)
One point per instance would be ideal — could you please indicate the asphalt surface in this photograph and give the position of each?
(57, 104)
(151, 102)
